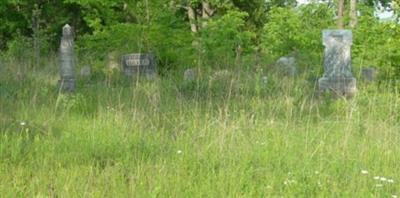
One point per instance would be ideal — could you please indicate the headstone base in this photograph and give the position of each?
(67, 84)
(339, 86)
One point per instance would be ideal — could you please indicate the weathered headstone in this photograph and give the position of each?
(287, 66)
(112, 62)
(139, 64)
(369, 74)
(67, 60)
(86, 71)
(337, 76)
(190, 75)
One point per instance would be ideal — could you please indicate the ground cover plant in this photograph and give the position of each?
(240, 128)
(168, 139)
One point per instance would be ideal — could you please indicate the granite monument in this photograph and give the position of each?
(337, 77)
(67, 60)
(139, 64)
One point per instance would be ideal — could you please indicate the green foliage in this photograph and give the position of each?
(224, 37)
(297, 30)
(375, 45)
(162, 40)
(260, 139)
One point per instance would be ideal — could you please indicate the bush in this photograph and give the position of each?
(375, 45)
(298, 30)
(222, 39)
(171, 45)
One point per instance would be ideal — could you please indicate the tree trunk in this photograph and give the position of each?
(192, 18)
(340, 14)
(36, 35)
(353, 13)
(207, 12)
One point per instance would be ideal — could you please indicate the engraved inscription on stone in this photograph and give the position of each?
(138, 64)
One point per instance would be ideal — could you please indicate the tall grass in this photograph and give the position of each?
(228, 135)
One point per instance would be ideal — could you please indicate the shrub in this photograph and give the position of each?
(224, 37)
(297, 30)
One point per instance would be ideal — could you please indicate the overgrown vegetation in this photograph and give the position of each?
(240, 129)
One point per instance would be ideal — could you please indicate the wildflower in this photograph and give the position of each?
(289, 182)
(286, 183)
(364, 172)
(394, 196)
(179, 152)
(377, 177)
(316, 172)
(390, 180)
(264, 79)
(383, 179)
(22, 123)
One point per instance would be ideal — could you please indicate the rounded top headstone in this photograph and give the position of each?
(67, 30)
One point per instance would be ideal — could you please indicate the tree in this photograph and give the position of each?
(353, 13)
(340, 14)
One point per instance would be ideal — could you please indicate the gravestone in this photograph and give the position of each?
(337, 77)
(67, 60)
(112, 62)
(369, 74)
(190, 75)
(138, 64)
(86, 71)
(287, 66)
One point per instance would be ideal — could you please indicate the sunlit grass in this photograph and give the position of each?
(235, 136)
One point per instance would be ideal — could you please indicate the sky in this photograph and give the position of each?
(381, 13)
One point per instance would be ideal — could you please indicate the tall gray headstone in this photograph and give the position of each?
(138, 64)
(67, 60)
(337, 76)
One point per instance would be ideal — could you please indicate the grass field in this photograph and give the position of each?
(222, 136)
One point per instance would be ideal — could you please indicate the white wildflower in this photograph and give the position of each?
(394, 196)
(286, 183)
(377, 177)
(179, 152)
(22, 123)
(364, 172)
(383, 179)
(390, 180)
